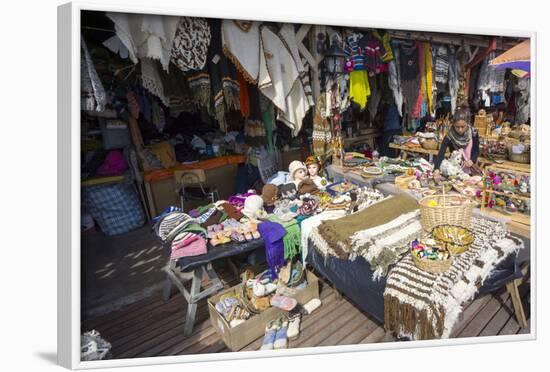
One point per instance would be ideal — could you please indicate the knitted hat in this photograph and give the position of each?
(253, 205)
(270, 194)
(293, 167)
(307, 186)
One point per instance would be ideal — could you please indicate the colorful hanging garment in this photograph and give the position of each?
(409, 72)
(243, 96)
(359, 87)
(322, 132)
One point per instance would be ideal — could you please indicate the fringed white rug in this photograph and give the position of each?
(422, 305)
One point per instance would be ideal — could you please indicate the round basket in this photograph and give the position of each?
(430, 144)
(448, 210)
(524, 158)
(442, 234)
(432, 266)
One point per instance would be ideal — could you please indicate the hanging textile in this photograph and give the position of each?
(394, 81)
(410, 74)
(375, 96)
(387, 53)
(322, 132)
(216, 86)
(115, 45)
(453, 78)
(177, 92)
(255, 131)
(244, 100)
(92, 93)
(268, 118)
(288, 37)
(191, 42)
(278, 80)
(428, 78)
(151, 79)
(442, 64)
(146, 35)
(359, 87)
(522, 96)
(241, 44)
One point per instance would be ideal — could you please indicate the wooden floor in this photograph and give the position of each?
(153, 327)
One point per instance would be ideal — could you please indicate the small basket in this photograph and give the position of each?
(432, 266)
(524, 158)
(449, 210)
(453, 248)
(430, 144)
(403, 181)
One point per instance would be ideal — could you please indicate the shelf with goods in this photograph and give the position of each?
(514, 198)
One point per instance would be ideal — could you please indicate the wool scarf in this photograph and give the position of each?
(273, 233)
(460, 141)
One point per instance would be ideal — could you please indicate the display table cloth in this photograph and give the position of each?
(355, 278)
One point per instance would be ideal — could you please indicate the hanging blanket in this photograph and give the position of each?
(279, 81)
(241, 44)
(146, 35)
(93, 95)
(152, 80)
(377, 233)
(191, 43)
(422, 305)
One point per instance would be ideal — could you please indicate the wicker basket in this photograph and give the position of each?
(430, 144)
(445, 212)
(524, 158)
(432, 266)
(453, 248)
(403, 181)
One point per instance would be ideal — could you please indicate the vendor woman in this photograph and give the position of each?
(463, 136)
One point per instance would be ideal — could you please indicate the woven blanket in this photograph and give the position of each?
(379, 233)
(422, 305)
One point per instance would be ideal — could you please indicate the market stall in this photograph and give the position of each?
(334, 155)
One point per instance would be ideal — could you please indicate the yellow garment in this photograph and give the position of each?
(359, 87)
(165, 152)
(429, 76)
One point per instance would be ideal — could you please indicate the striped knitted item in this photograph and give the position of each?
(304, 78)
(422, 305)
(442, 65)
(203, 217)
(173, 223)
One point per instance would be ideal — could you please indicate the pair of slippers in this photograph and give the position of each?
(279, 331)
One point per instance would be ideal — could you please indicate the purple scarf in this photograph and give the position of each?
(272, 234)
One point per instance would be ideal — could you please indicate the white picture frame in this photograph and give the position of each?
(69, 184)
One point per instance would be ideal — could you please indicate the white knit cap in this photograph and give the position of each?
(294, 166)
(252, 205)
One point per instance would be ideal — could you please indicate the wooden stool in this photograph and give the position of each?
(512, 289)
(178, 278)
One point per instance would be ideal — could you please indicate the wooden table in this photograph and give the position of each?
(481, 160)
(418, 150)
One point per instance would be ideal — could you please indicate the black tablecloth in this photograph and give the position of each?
(354, 278)
(217, 252)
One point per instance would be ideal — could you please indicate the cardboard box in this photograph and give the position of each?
(242, 335)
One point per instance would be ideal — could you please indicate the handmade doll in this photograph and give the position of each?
(314, 167)
(297, 172)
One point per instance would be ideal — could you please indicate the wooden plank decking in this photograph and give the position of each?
(153, 327)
